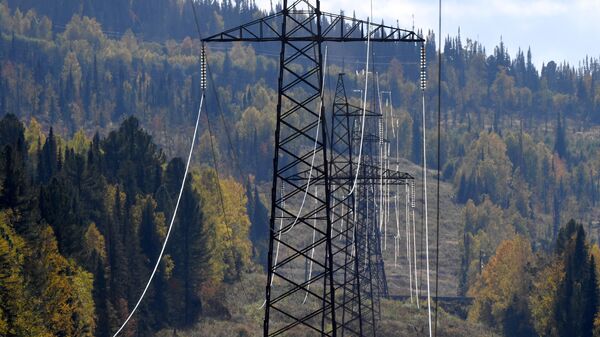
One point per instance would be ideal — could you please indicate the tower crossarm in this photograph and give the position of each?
(336, 28)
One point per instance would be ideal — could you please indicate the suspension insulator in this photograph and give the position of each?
(380, 122)
(203, 81)
(423, 68)
(413, 202)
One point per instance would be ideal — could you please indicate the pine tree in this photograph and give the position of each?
(462, 195)
(560, 140)
(577, 298)
(15, 193)
(190, 250)
(47, 163)
(590, 289)
(132, 159)
(465, 262)
(259, 229)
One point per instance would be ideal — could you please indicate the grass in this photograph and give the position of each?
(451, 227)
(243, 302)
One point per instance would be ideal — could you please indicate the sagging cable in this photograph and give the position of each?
(187, 167)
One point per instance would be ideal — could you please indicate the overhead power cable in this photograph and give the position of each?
(187, 167)
(439, 161)
(162, 250)
(204, 69)
(408, 252)
(312, 253)
(423, 83)
(364, 112)
(414, 241)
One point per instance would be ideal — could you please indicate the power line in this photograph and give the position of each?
(362, 129)
(187, 166)
(439, 142)
(425, 210)
(229, 230)
(227, 127)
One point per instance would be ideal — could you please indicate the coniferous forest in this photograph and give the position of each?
(97, 107)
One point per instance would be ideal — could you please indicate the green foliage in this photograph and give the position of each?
(17, 316)
(191, 251)
(509, 146)
(224, 208)
(576, 304)
(259, 228)
(549, 294)
(487, 169)
(486, 226)
(90, 236)
(42, 293)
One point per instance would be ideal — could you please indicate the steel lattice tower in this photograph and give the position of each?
(305, 302)
(363, 280)
(346, 279)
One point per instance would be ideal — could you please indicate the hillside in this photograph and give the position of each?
(243, 303)
(97, 108)
(451, 229)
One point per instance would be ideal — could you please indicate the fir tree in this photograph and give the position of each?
(560, 140)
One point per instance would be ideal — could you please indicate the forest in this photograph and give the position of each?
(97, 102)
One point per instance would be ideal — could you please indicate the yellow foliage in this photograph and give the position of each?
(72, 71)
(543, 296)
(503, 278)
(232, 248)
(486, 226)
(83, 303)
(503, 90)
(243, 57)
(595, 252)
(66, 296)
(110, 198)
(34, 136)
(487, 162)
(597, 325)
(86, 29)
(94, 243)
(79, 143)
(58, 301)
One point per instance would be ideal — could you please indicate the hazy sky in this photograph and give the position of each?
(555, 29)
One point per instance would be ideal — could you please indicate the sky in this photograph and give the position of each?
(555, 30)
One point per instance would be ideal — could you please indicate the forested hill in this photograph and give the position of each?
(154, 20)
(98, 98)
(82, 222)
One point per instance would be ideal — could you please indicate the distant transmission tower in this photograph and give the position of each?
(301, 162)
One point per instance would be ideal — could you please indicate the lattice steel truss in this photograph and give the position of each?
(346, 278)
(363, 280)
(306, 302)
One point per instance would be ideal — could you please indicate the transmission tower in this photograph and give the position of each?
(363, 280)
(295, 301)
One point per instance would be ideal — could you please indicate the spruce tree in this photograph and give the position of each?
(259, 228)
(47, 163)
(576, 301)
(591, 298)
(190, 249)
(560, 140)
